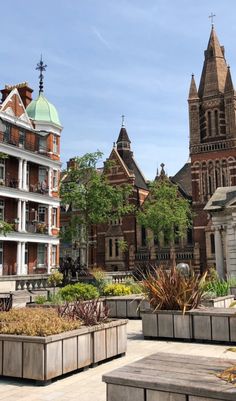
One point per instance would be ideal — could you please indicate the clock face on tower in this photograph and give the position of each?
(3, 127)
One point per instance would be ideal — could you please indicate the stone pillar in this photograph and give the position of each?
(219, 252)
(49, 253)
(19, 215)
(49, 220)
(20, 173)
(23, 216)
(50, 171)
(18, 259)
(23, 270)
(24, 175)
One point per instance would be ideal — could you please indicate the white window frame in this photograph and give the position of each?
(2, 208)
(3, 169)
(54, 255)
(1, 257)
(54, 217)
(41, 210)
(55, 179)
(42, 174)
(41, 250)
(55, 146)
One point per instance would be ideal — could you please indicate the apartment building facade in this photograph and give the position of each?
(29, 177)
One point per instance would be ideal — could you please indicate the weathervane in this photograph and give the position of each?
(122, 120)
(41, 67)
(211, 16)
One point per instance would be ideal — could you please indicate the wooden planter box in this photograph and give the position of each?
(170, 377)
(233, 290)
(219, 302)
(210, 324)
(127, 306)
(43, 358)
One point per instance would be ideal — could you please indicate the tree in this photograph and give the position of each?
(92, 199)
(166, 212)
(5, 227)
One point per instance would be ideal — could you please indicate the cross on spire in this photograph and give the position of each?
(122, 120)
(41, 67)
(211, 16)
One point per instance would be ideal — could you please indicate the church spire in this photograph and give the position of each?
(123, 142)
(193, 95)
(214, 69)
(229, 87)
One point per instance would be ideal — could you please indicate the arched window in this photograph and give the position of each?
(110, 247)
(212, 239)
(143, 236)
(216, 122)
(209, 127)
(116, 247)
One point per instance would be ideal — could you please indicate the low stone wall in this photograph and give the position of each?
(28, 282)
(211, 324)
(170, 377)
(43, 358)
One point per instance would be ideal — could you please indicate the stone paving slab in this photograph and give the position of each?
(87, 386)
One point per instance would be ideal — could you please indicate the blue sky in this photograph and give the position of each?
(107, 58)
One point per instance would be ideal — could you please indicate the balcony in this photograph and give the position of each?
(35, 227)
(25, 143)
(39, 188)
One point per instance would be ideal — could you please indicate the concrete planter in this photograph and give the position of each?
(170, 377)
(210, 324)
(219, 302)
(43, 358)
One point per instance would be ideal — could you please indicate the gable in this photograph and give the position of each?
(118, 172)
(13, 109)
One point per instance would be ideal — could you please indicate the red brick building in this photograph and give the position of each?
(212, 112)
(29, 177)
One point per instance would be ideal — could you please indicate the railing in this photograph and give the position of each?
(36, 227)
(26, 144)
(142, 256)
(213, 146)
(119, 277)
(39, 187)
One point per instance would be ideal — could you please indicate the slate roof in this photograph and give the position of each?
(128, 159)
(183, 179)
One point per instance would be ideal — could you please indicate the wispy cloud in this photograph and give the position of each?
(100, 37)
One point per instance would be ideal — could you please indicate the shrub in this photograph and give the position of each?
(41, 299)
(214, 286)
(72, 292)
(100, 279)
(35, 322)
(170, 290)
(56, 278)
(135, 287)
(89, 312)
(116, 290)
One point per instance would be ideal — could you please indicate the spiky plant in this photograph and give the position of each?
(171, 290)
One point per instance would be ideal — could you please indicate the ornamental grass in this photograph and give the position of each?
(171, 290)
(35, 322)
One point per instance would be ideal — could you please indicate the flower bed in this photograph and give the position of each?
(43, 358)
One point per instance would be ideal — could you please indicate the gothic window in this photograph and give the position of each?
(217, 174)
(189, 236)
(216, 122)
(143, 236)
(116, 247)
(110, 247)
(211, 186)
(209, 126)
(212, 239)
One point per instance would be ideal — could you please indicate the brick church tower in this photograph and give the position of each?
(212, 119)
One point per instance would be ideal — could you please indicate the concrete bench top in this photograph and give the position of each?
(183, 374)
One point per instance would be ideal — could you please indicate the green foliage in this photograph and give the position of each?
(79, 291)
(116, 290)
(122, 244)
(88, 191)
(55, 279)
(214, 286)
(100, 279)
(165, 212)
(40, 299)
(135, 287)
(35, 322)
(5, 228)
(170, 290)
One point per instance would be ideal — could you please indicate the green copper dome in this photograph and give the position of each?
(42, 110)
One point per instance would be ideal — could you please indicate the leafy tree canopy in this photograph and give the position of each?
(165, 211)
(87, 190)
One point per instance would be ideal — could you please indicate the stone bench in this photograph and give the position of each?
(170, 377)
